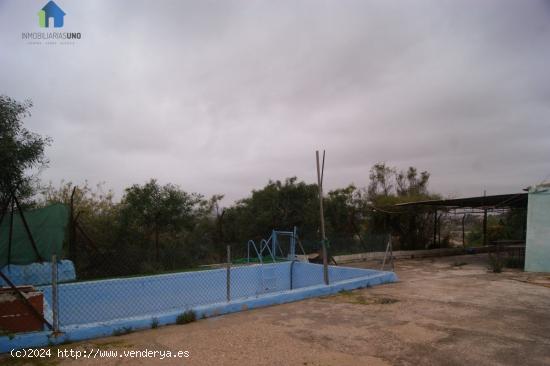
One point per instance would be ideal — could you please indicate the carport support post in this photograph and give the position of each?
(463, 236)
(435, 228)
(484, 220)
(485, 227)
(439, 231)
(228, 277)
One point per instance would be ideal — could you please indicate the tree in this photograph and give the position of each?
(20, 149)
(409, 184)
(278, 205)
(380, 179)
(93, 245)
(154, 209)
(387, 187)
(153, 228)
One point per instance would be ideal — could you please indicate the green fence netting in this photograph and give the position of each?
(47, 226)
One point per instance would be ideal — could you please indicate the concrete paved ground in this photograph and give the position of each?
(444, 311)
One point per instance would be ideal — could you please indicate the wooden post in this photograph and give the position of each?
(25, 300)
(27, 229)
(72, 229)
(320, 173)
(10, 235)
(4, 209)
(228, 276)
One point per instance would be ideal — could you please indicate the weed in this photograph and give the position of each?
(122, 331)
(495, 264)
(386, 300)
(187, 316)
(514, 262)
(358, 298)
(6, 333)
(112, 344)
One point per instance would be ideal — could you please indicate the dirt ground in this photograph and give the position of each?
(444, 311)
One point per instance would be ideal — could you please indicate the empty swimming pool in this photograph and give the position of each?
(101, 308)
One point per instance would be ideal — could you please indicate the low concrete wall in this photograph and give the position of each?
(408, 254)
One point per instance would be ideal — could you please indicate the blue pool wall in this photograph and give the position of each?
(310, 274)
(101, 308)
(96, 301)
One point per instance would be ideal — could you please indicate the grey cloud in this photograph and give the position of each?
(221, 96)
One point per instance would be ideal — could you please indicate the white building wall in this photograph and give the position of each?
(537, 251)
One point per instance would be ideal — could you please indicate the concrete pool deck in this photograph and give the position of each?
(444, 311)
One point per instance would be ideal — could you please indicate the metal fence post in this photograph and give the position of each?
(228, 276)
(55, 308)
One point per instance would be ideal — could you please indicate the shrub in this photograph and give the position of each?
(495, 263)
(122, 331)
(187, 316)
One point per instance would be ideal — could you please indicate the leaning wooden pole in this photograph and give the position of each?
(320, 173)
(10, 235)
(72, 229)
(25, 300)
(26, 226)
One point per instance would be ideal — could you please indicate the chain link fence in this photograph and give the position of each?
(61, 299)
(99, 288)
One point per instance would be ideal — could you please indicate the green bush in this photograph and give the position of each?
(122, 331)
(495, 263)
(187, 316)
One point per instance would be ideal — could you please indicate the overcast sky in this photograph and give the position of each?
(220, 96)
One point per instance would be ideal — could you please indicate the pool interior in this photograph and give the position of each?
(105, 300)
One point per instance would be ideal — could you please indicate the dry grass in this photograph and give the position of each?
(355, 297)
